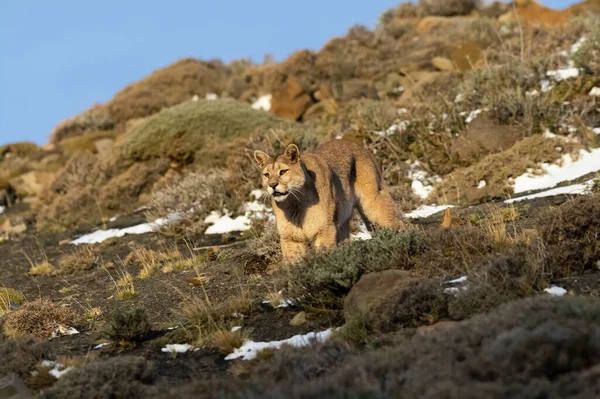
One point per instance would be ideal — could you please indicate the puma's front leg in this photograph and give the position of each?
(326, 238)
(292, 249)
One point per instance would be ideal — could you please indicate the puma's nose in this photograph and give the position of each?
(273, 185)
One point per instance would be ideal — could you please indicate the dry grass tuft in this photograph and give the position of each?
(41, 269)
(228, 341)
(124, 285)
(9, 296)
(83, 258)
(39, 318)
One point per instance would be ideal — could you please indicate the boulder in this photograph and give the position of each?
(290, 101)
(442, 64)
(484, 136)
(31, 184)
(371, 290)
(534, 14)
(104, 146)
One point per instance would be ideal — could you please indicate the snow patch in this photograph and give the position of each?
(398, 127)
(427, 210)
(575, 189)
(2, 209)
(563, 74)
(263, 102)
(595, 92)
(481, 184)
(588, 162)
(472, 115)
(363, 232)
(461, 279)
(55, 369)
(555, 290)
(576, 46)
(249, 350)
(222, 223)
(546, 86)
(257, 194)
(422, 181)
(595, 130)
(61, 331)
(102, 345)
(102, 235)
(225, 224)
(176, 348)
(235, 328)
(212, 96)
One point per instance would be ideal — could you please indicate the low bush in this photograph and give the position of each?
(202, 191)
(461, 186)
(570, 235)
(97, 118)
(84, 257)
(39, 318)
(127, 326)
(20, 355)
(540, 347)
(202, 131)
(323, 279)
(118, 377)
(448, 8)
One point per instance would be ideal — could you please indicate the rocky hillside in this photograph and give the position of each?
(137, 242)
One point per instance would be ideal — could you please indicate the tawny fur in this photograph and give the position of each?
(314, 195)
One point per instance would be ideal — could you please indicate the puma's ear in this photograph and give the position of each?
(292, 153)
(261, 158)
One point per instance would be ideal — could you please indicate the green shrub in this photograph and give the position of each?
(120, 377)
(448, 8)
(588, 55)
(201, 131)
(127, 325)
(324, 278)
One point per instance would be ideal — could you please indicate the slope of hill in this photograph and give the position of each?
(139, 257)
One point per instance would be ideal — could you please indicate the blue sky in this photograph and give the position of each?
(59, 57)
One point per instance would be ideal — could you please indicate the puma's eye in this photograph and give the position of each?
(266, 175)
(282, 172)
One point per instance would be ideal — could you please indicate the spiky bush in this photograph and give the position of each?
(127, 325)
(324, 278)
(39, 318)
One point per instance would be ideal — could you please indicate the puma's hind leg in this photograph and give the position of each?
(375, 204)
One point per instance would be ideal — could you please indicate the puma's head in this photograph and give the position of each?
(281, 175)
